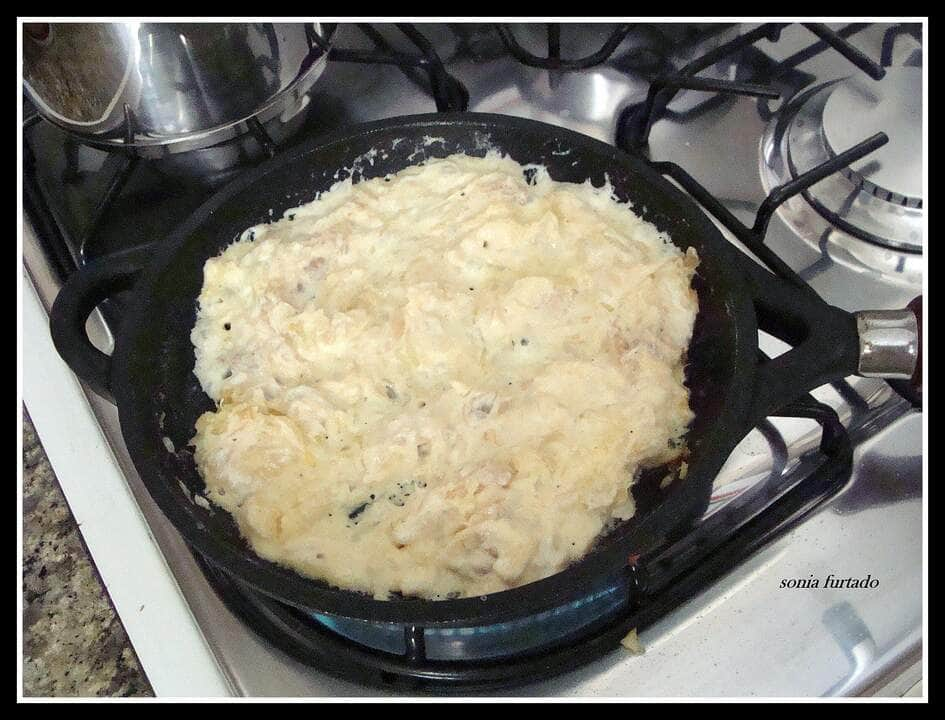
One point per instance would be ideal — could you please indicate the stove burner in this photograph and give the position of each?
(859, 107)
(407, 657)
(499, 640)
(877, 199)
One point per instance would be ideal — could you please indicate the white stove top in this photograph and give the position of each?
(745, 635)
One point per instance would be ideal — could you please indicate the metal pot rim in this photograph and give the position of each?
(161, 146)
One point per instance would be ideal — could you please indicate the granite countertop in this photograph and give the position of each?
(73, 642)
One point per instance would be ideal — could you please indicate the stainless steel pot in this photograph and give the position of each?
(165, 88)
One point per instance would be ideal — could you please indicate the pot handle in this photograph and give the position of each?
(824, 340)
(83, 292)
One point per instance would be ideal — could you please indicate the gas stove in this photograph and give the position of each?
(832, 116)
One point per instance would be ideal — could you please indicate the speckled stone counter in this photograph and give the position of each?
(73, 641)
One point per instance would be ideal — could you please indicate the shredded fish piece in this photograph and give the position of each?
(632, 643)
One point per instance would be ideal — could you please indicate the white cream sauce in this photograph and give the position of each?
(441, 383)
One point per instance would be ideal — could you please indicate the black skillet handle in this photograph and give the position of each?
(824, 340)
(81, 294)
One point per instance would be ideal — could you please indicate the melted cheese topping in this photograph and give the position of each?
(441, 383)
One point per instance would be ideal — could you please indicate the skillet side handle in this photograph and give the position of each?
(81, 294)
(824, 340)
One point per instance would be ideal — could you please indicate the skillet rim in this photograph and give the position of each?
(309, 594)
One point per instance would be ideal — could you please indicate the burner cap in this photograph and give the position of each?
(860, 107)
(878, 198)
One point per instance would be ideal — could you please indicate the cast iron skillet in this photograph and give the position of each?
(150, 374)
